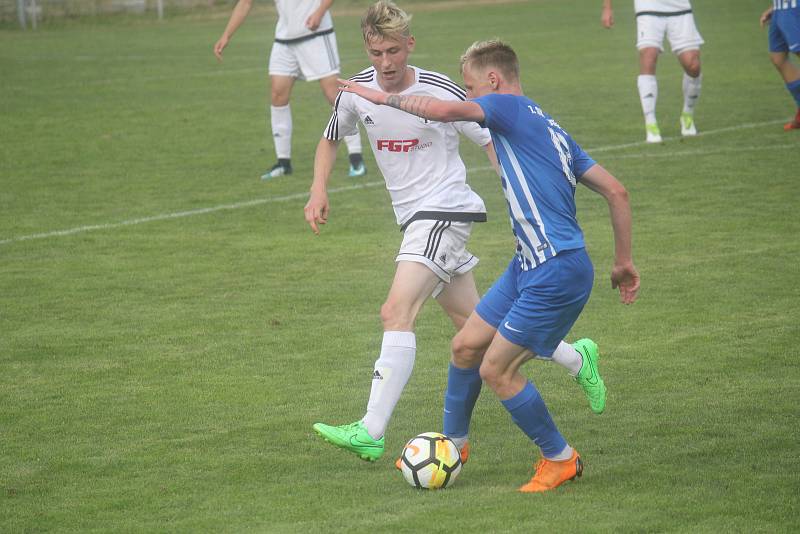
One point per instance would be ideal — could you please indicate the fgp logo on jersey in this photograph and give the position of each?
(397, 145)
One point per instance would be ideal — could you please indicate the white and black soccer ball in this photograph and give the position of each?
(431, 461)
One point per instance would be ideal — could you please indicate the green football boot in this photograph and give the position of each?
(354, 438)
(688, 128)
(589, 376)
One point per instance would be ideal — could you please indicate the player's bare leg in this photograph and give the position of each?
(791, 77)
(413, 284)
(459, 299)
(330, 88)
(648, 91)
(692, 84)
(281, 124)
(500, 371)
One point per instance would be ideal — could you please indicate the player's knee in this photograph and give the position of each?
(396, 317)
(648, 58)
(693, 68)
(279, 97)
(492, 376)
(465, 354)
(777, 60)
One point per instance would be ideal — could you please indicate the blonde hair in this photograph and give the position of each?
(385, 20)
(492, 53)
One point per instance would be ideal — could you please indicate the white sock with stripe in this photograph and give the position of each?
(392, 370)
(691, 92)
(353, 143)
(648, 95)
(281, 122)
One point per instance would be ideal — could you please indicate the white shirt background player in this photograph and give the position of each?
(304, 48)
(432, 202)
(656, 19)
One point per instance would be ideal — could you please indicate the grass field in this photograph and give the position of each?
(170, 328)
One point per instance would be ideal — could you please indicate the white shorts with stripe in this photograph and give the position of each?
(680, 30)
(308, 59)
(441, 246)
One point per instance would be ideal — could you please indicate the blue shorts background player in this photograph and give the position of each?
(533, 305)
(784, 37)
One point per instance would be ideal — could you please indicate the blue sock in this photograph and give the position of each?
(794, 88)
(529, 412)
(463, 388)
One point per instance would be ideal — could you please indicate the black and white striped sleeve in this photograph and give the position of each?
(343, 119)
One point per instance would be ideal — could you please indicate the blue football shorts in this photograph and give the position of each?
(784, 32)
(535, 309)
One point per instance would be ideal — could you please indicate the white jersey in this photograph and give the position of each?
(292, 15)
(418, 158)
(662, 6)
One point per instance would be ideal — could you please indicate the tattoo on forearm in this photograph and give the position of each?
(416, 105)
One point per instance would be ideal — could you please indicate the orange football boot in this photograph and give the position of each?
(464, 452)
(795, 124)
(551, 474)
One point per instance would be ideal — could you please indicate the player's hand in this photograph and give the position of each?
(313, 21)
(765, 17)
(607, 18)
(316, 210)
(220, 46)
(625, 277)
(376, 97)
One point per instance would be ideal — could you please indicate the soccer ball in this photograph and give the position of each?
(431, 461)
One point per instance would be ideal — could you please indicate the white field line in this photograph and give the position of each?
(744, 126)
(711, 152)
(180, 214)
(296, 196)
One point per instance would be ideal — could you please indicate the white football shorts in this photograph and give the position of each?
(441, 246)
(680, 30)
(309, 60)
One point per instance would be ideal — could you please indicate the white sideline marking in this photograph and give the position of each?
(180, 214)
(705, 152)
(744, 126)
(295, 196)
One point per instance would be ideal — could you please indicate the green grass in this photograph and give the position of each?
(164, 376)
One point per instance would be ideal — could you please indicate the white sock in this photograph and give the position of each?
(353, 143)
(691, 92)
(562, 456)
(281, 121)
(648, 95)
(566, 356)
(459, 441)
(392, 370)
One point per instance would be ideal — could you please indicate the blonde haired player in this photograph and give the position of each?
(304, 49)
(656, 19)
(535, 303)
(433, 205)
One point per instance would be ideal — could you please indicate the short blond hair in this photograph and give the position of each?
(385, 20)
(492, 53)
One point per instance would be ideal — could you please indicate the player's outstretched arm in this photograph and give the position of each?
(317, 208)
(624, 274)
(766, 16)
(607, 17)
(240, 12)
(426, 107)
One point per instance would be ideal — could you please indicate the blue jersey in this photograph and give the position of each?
(541, 166)
(784, 29)
(785, 5)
